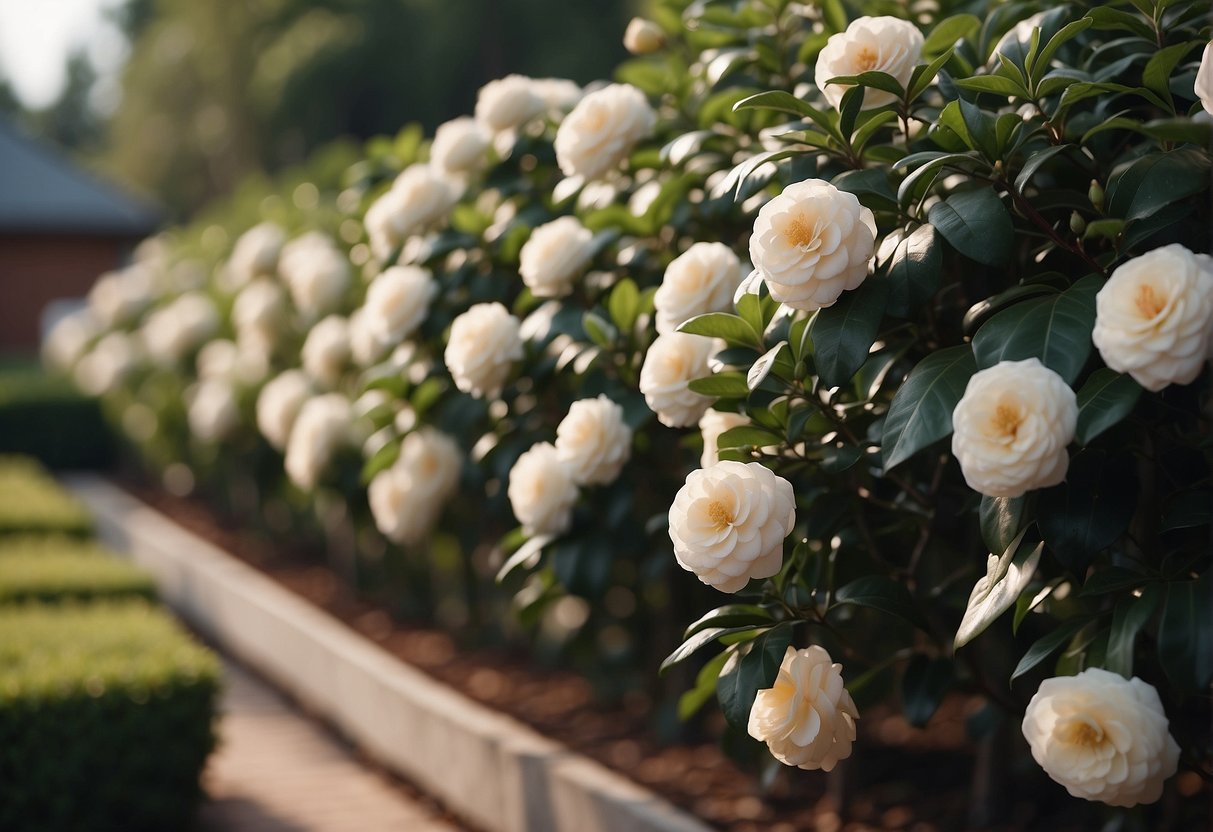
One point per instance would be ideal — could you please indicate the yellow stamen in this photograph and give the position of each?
(1007, 420)
(799, 232)
(1081, 732)
(865, 60)
(1149, 304)
(719, 513)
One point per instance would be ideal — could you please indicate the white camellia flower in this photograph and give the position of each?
(542, 491)
(459, 146)
(108, 363)
(1102, 736)
(218, 359)
(643, 37)
(508, 103)
(714, 423)
(702, 279)
(420, 199)
(594, 441)
(483, 346)
(117, 298)
(884, 44)
(365, 348)
(255, 253)
(1011, 428)
(602, 129)
(811, 243)
(673, 361)
(173, 331)
(324, 425)
(260, 307)
(728, 523)
(407, 498)
(397, 302)
(68, 339)
(213, 410)
(316, 273)
(559, 94)
(554, 256)
(807, 718)
(1154, 317)
(279, 404)
(326, 350)
(1204, 79)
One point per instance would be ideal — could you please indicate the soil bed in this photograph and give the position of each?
(899, 777)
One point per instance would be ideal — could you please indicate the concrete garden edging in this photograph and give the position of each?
(488, 768)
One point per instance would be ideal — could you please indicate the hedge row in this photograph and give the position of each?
(47, 418)
(31, 502)
(57, 568)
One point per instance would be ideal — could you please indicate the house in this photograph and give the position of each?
(60, 227)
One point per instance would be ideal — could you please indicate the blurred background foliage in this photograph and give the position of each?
(214, 91)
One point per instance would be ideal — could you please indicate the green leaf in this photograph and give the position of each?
(1002, 519)
(1130, 615)
(748, 435)
(761, 368)
(381, 460)
(946, 32)
(914, 271)
(1091, 509)
(997, 84)
(843, 333)
(1106, 399)
(1141, 187)
(705, 687)
(750, 668)
(1026, 603)
(784, 102)
(1007, 576)
(624, 304)
(1047, 646)
(731, 328)
(1185, 634)
(1187, 510)
(849, 109)
(977, 225)
(923, 686)
(722, 385)
(1112, 579)
(868, 182)
(921, 412)
(924, 75)
(731, 615)
(599, 330)
(527, 555)
(1039, 65)
(880, 593)
(1036, 161)
(874, 79)
(697, 641)
(1055, 329)
(1157, 74)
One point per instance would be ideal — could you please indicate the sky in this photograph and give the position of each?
(36, 37)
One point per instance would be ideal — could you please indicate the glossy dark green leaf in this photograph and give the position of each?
(599, 329)
(921, 412)
(946, 32)
(697, 640)
(881, 593)
(705, 687)
(730, 615)
(1106, 399)
(727, 385)
(874, 79)
(1129, 617)
(1002, 519)
(977, 225)
(624, 304)
(1112, 579)
(924, 75)
(731, 328)
(1185, 633)
(1047, 646)
(1143, 186)
(997, 84)
(1157, 74)
(843, 333)
(924, 684)
(381, 460)
(751, 668)
(1039, 64)
(1188, 510)
(1036, 161)
(872, 182)
(748, 435)
(1055, 329)
(1091, 509)
(913, 271)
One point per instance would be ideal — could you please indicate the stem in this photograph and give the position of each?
(1030, 212)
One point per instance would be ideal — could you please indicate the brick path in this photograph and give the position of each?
(276, 771)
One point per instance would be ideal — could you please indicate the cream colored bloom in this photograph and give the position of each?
(255, 253)
(260, 307)
(172, 332)
(279, 403)
(1011, 428)
(326, 350)
(324, 426)
(1204, 79)
(714, 423)
(407, 498)
(459, 146)
(218, 359)
(214, 413)
(508, 103)
(542, 491)
(316, 273)
(700, 280)
(602, 129)
(558, 94)
(419, 199)
(69, 338)
(117, 298)
(884, 44)
(807, 719)
(397, 302)
(1102, 736)
(643, 37)
(728, 523)
(673, 361)
(110, 362)
(554, 256)
(811, 243)
(594, 440)
(482, 349)
(1154, 317)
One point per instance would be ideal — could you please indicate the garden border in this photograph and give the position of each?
(488, 768)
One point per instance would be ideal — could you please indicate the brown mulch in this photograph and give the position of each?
(899, 777)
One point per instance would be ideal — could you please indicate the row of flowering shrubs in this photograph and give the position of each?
(728, 313)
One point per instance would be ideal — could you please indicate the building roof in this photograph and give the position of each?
(43, 191)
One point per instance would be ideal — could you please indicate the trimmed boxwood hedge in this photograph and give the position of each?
(46, 417)
(62, 569)
(106, 716)
(32, 502)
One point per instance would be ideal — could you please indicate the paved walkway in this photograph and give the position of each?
(276, 771)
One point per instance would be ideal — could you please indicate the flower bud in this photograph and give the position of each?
(643, 37)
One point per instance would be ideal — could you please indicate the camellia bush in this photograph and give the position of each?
(890, 323)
